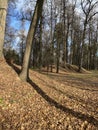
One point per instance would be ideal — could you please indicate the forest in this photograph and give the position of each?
(48, 64)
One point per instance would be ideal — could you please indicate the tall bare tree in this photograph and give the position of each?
(64, 35)
(37, 13)
(88, 7)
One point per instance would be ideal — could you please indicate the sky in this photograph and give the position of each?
(16, 22)
(20, 4)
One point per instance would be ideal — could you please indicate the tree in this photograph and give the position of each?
(73, 21)
(3, 12)
(24, 75)
(58, 36)
(22, 37)
(40, 42)
(92, 45)
(51, 32)
(88, 7)
(64, 35)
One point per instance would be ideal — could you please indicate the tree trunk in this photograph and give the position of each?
(67, 34)
(40, 42)
(58, 56)
(24, 75)
(82, 46)
(3, 12)
(51, 19)
(64, 35)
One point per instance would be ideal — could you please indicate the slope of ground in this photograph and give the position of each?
(73, 68)
(47, 102)
(68, 68)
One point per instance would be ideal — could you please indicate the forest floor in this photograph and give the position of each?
(64, 101)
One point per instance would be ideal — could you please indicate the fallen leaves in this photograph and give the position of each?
(24, 108)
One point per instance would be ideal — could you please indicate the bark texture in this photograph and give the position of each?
(37, 13)
(3, 12)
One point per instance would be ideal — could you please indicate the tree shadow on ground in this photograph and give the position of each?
(15, 67)
(90, 85)
(57, 105)
(76, 98)
(51, 101)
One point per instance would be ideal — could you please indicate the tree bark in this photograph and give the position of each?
(3, 12)
(24, 75)
(51, 19)
(40, 42)
(64, 35)
(58, 56)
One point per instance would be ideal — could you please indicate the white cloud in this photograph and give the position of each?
(20, 4)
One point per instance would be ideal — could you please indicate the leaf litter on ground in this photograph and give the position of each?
(46, 102)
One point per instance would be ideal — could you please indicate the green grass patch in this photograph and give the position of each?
(1, 101)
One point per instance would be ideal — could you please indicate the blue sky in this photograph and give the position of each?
(21, 6)
(15, 23)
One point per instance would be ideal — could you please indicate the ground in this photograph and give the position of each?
(64, 101)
